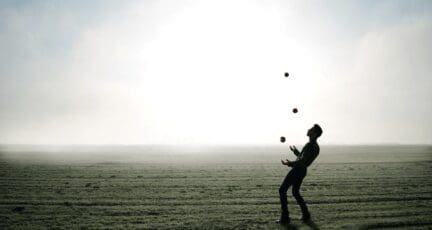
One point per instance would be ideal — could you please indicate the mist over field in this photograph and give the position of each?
(208, 153)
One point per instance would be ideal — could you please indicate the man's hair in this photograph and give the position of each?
(318, 130)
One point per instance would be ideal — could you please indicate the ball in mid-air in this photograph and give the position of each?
(282, 139)
(295, 110)
(286, 74)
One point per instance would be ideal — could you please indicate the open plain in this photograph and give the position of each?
(231, 187)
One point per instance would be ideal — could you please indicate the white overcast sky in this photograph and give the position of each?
(211, 72)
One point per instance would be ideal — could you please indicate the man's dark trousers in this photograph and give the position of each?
(295, 178)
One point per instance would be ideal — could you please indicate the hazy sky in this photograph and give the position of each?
(211, 72)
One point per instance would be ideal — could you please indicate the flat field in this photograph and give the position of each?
(351, 187)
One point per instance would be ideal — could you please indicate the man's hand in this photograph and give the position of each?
(286, 162)
(294, 149)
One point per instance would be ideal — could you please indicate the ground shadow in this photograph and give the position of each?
(288, 226)
(312, 225)
(291, 226)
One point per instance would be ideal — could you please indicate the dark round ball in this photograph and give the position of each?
(282, 139)
(295, 110)
(286, 74)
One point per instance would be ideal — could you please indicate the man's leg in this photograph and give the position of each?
(283, 197)
(299, 199)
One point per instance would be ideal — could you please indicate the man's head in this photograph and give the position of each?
(314, 132)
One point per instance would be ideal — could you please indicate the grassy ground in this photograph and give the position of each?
(230, 188)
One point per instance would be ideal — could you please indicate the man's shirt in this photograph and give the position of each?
(308, 154)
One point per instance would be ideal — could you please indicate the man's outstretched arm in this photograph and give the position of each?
(291, 163)
(295, 150)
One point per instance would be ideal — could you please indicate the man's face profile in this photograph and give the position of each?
(311, 132)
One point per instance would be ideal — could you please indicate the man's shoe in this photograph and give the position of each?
(306, 218)
(283, 221)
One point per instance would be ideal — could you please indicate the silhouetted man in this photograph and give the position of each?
(296, 175)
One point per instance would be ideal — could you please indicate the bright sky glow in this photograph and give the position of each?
(211, 72)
